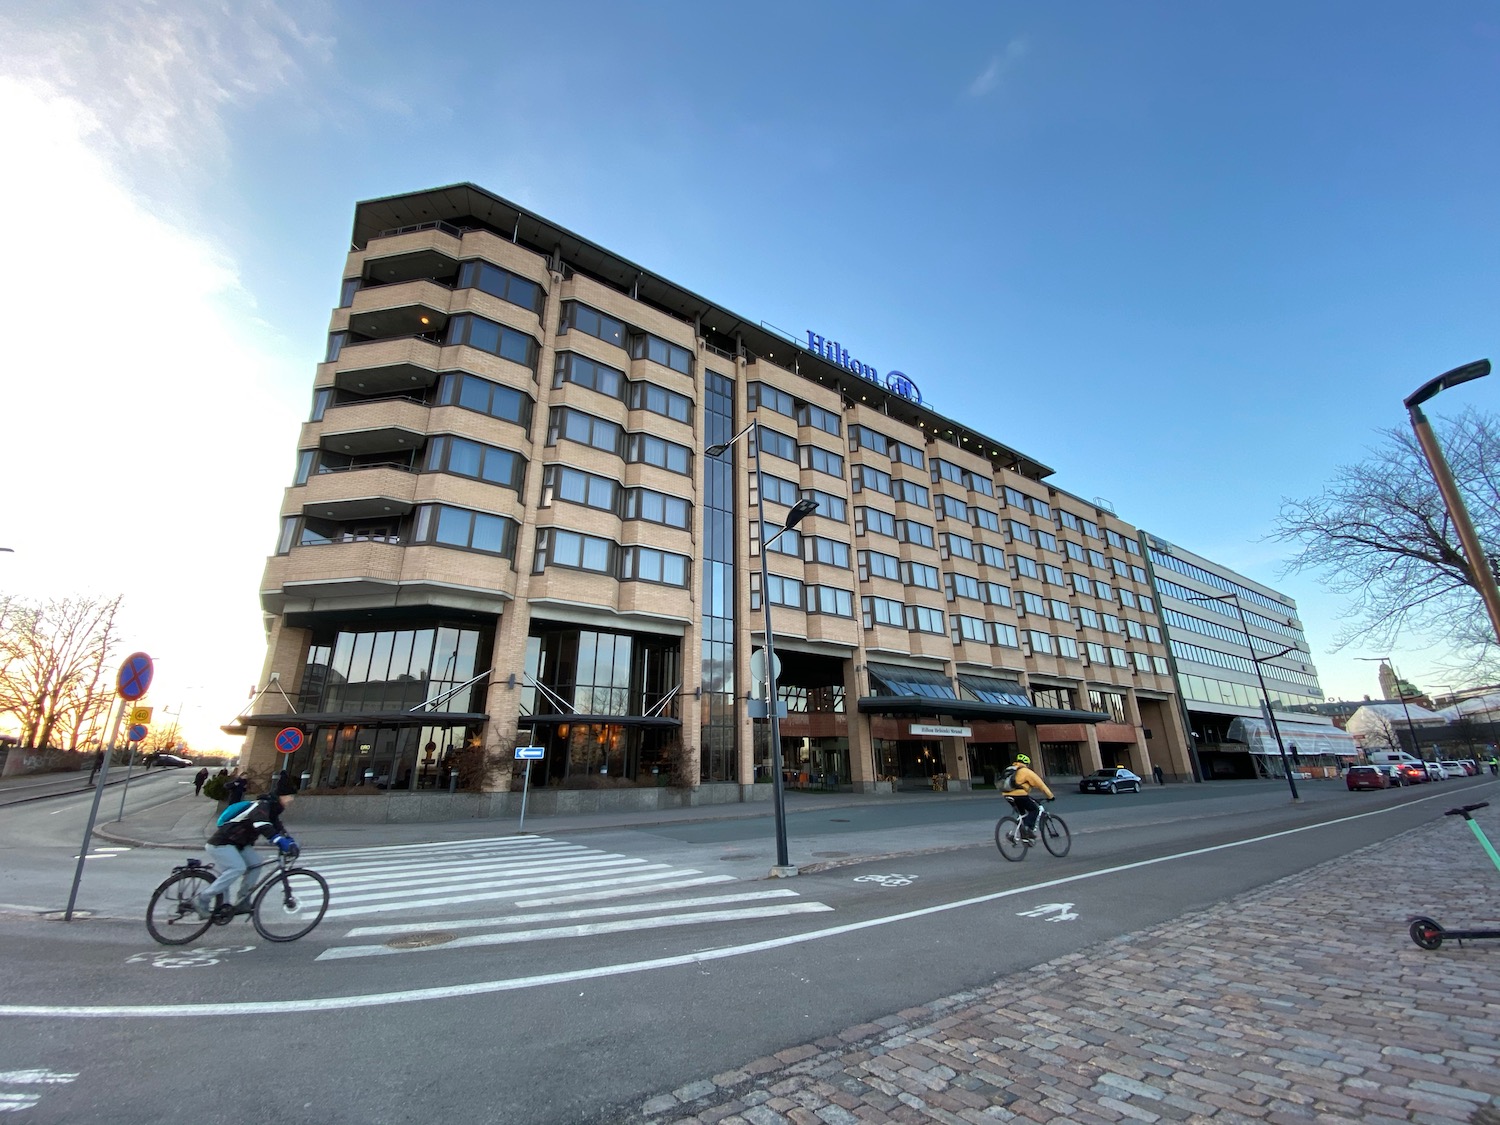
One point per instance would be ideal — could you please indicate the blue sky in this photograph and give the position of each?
(1191, 256)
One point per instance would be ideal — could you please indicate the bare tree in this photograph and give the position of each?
(1380, 533)
(53, 665)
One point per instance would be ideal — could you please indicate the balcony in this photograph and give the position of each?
(384, 366)
(431, 251)
(361, 493)
(382, 425)
(411, 308)
(372, 572)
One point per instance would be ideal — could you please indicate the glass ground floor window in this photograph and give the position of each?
(1061, 759)
(594, 755)
(357, 756)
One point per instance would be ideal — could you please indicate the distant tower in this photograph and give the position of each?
(1387, 682)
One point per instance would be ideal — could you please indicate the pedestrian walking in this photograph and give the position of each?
(234, 788)
(1156, 772)
(98, 761)
(198, 779)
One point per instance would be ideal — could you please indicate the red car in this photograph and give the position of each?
(1365, 777)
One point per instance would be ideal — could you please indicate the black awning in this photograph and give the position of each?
(909, 706)
(366, 719)
(534, 721)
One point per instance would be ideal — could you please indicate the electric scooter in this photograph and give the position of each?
(1428, 933)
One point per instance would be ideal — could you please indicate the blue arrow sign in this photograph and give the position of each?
(135, 675)
(532, 752)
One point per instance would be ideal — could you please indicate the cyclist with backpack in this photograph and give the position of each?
(1019, 782)
(237, 828)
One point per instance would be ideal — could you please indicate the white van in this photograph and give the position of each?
(1393, 758)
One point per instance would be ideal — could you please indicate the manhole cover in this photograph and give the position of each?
(420, 941)
(831, 855)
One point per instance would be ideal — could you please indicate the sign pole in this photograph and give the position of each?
(132, 682)
(124, 789)
(88, 832)
(525, 786)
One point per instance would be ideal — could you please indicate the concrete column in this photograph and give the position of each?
(1092, 761)
(1140, 757)
(863, 770)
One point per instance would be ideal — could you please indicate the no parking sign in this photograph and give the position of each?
(289, 740)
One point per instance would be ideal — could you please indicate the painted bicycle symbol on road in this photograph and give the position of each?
(886, 880)
(186, 958)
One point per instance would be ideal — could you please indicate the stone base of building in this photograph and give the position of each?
(400, 808)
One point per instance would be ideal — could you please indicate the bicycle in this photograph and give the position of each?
(284, 905)
(1051, 830)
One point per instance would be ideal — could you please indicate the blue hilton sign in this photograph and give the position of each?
(893, 381)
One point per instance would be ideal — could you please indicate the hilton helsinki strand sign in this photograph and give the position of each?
(894, 381)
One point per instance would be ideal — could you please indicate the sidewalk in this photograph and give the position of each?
(1303, 1001)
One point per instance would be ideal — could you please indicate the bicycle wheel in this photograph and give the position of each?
(1055, 836)
(170, 917)
(1008, 839)
(290, 904)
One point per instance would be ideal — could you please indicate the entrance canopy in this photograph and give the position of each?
(1309, 738)
(921, 691)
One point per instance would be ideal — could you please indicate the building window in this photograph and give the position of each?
(647, 564)
(1006, 635)
(664, 352)
(1033, 603)
(461, 527)
(659, 400)
(967, 628)
(909, 492)
(819, 419)
(961, 586)
(336, 341)
(874, 521)
(465, 458)
(992, 556)
(584, 372)
(1017, 532)
(1067, 647)
(657, 507)
(560, 482)
(557, 546)
(992, 593)
(829, 552)
(919, 574)
(1025, 568)
(475, 274)
(957, 546)
(822, 460)
(784, 591)
(644, 449)
(574, 425)
(877, 564)
(1040, 642)
(924, 619)
(1046, 540)
(830, 600)
(984, 518)
(949, 507)
(868, 477)
(910, 531)
(1053, 575)
(882, 611)
(830, 507)
(346, 292)
(591, 322)
(458, 388)
(496, 339)
(764, 395)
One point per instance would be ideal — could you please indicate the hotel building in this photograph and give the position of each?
(505, 528)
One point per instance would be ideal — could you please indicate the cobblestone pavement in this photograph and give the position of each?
(1303, 1001)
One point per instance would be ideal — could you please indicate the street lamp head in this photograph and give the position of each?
(1476, 370)
(800, 511)
(715, 450)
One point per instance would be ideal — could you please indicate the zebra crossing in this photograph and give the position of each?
(541, 889)
(33, 1082)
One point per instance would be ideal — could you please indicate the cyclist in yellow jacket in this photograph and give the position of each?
(1020, 781)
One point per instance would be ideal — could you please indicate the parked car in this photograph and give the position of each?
(1111, 779)
(171, 761)
(1366, 777)
(1413, 774)
(1393, 776)
(1459, 769)
(1435, 771)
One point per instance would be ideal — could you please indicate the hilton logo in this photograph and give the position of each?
(894, 381)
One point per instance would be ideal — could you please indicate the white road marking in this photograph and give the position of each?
(563, 915)
(14, 1103)
(622, 892)
(505, 876)
(597, 972)
(36, 1077)
(1059, 911)
(518, 886)
(624, 925)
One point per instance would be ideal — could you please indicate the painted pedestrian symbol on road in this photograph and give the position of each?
(289, 741)
(135, 676)
(1059, 911)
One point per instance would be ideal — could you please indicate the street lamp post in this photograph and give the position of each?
(800, 511)
(1479, 568)
(1411, 727)
(1264, 694)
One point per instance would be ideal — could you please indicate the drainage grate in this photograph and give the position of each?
(734, 856)
(421, 941)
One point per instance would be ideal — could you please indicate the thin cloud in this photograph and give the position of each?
(999, 66)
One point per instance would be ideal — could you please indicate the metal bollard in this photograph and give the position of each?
(452, 781)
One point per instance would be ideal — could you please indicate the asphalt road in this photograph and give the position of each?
(514, 978)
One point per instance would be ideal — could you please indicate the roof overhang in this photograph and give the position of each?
(919, 705)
